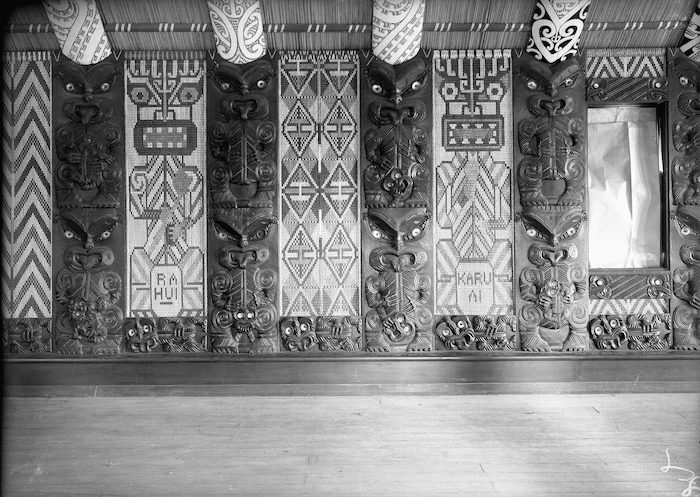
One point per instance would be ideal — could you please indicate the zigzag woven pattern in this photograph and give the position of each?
(27, 213)
(166, 222)
(628, 306)
(319, 149)
(631, 63)
(473, 143)
(7, 178)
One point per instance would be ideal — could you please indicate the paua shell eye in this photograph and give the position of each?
(532, 84)
(131, 332)
(569, 82)
(225, 86)
(105, 234)
(69, 234)
(415, 232)
(239, 315)
(377, 88)
(377, 234)
(304, 326)
(461, 324)
(250, 315)
(684, 81)
(104, 86)
(261, 84)
(70, 87)
(416, 85)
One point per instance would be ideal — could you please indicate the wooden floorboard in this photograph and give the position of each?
(476, 445)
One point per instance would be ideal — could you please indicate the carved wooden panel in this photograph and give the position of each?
(323, 334)
(551, 239)
(88, 207)
(170, 335)
(243, 198)
(397, 242)
(27, 336)
(632, 331)
(476, 332)
(684, 126)
(629, 286)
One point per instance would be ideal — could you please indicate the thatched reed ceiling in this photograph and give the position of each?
(148, 14)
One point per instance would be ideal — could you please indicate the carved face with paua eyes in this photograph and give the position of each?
(687, 221)
(242, 226)
(86, 226)
(552, 225)
(398, 226)
(398, 82)
(550, 79)
(246, 84)
(687, 70)
(87, 81)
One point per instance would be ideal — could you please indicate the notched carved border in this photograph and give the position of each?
(629, 286)
(26, 336)
(461, 332)
(631, 331)
(170, 335)
(322, 334)
(627, 89)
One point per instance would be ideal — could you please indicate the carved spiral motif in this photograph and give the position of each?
(683, 317)
(574, 170)
(578, 316)
(219, 175)
(576, 273)
(265, 278)
(222, 282)
(266, 132)
(222, 320)
(530, 316)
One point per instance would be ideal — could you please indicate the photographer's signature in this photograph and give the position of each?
(688, 492)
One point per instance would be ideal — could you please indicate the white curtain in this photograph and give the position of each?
(624, 188)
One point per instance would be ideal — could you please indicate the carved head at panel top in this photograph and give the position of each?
(554, 80)
(87, 82)
(397, 82)
(245, 87)
(398, 226)
(687, 70)
(552, 224)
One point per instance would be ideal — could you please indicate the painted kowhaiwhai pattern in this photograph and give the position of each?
(166, 157)
(26, 205)
(397, 29)
(473, 143)
(319, 221)
(626, 63)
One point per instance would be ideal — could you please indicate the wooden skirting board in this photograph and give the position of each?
(670, 371)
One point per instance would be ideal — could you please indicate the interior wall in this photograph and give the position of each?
(172, 217)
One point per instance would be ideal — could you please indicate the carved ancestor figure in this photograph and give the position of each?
(243, 142)
(242, 186)
(87, 173)
(551, 182)
(686, 197)
(88, 201)
(397, 195)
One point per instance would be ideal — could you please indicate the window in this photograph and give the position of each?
(625, 180)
